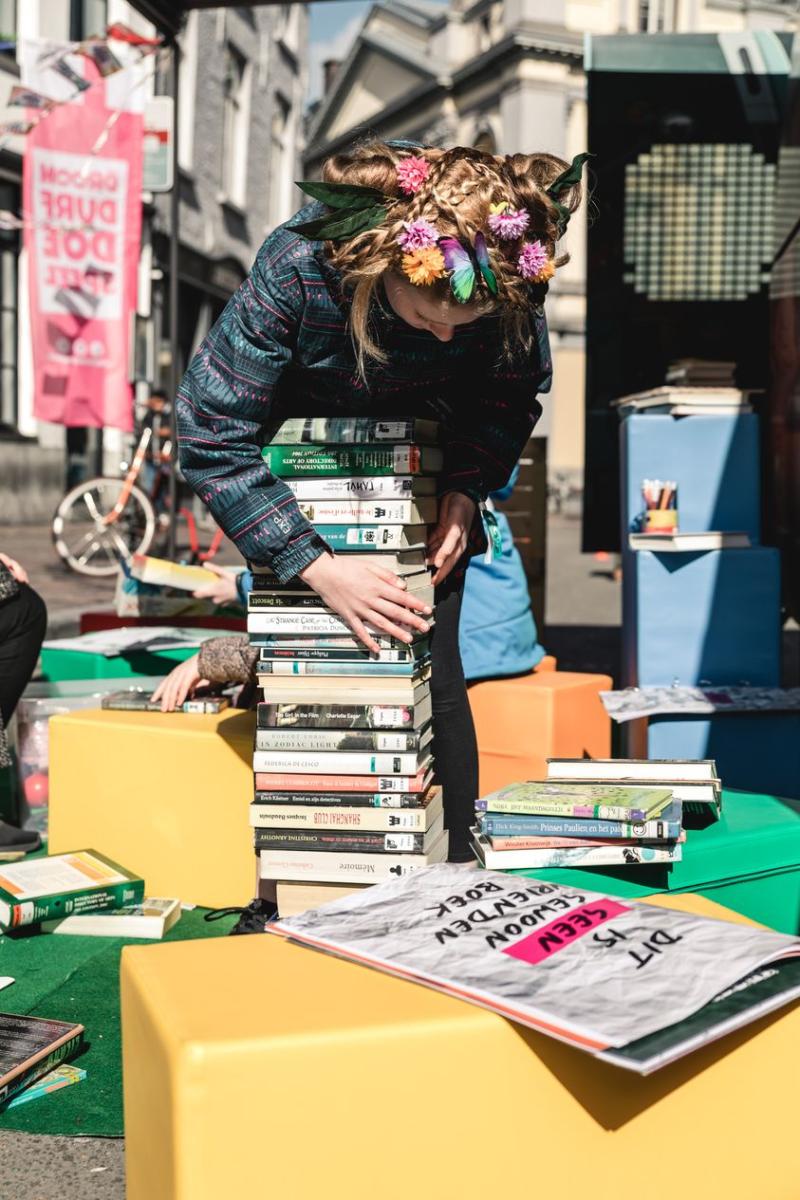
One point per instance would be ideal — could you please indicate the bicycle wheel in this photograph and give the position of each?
(90, 545)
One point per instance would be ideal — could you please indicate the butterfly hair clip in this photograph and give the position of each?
(461, 262)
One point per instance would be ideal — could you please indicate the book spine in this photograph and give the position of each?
(338, 842)
(357, 512)
(346, 430)
(260, 600)
(327, 654)
(354, 487)
(90, 899)
(339, 762)
(295, 782)
(542, 808)
(337, 740)
(300, 461)
(295, 816)
(343, 800)
(337, 716)
(554, 843)
(589, 856)
(322, 867)
(548, 827)
(299, 621)
(366, 538)
(374, 667)
(38, 1069)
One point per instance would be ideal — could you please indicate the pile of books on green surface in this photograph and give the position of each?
(590, 813)
(343, 763)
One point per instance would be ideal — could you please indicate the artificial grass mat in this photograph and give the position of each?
(68, 978)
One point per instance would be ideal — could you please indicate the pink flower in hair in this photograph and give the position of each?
(533, 263)
(411, 174)
(418, 235)
(509, 224)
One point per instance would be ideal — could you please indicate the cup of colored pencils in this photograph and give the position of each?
(661, 505)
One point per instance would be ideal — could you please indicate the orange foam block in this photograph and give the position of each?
(522, 722)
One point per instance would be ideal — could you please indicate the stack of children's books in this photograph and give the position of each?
(591, 813)
(344, 792)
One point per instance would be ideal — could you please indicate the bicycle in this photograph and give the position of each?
(106, 520)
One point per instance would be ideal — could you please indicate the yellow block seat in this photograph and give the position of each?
(253, 1067)
(164, 794)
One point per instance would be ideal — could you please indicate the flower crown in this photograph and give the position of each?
(426, 254)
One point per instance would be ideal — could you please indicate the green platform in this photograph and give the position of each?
(77, 979)
(77, 664)
(749, 861)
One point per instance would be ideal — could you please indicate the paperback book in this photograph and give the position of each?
(60, 1077)
(667, 825)
(298, 462)
(333, 716)
(350, 431)
(516, 946)
(324, 867)
(346, 841)
(41, 889)
(363, 487)
(337, 762)
(342, 739)
(421, 510)
(344, 816)
(374, 668)
(296, 781)
(602, 801)
(376, 538)
(344, 799)
(638, 854)
(154, 917)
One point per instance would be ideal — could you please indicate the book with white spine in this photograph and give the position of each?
(322, 816)
(337, 762)
(420, 510)
(363, 487)
(323, 866)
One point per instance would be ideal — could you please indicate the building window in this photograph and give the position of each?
(656, 16)
(280, 166)
(236, 116)
(87, 18)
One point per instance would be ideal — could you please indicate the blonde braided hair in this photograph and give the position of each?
(461, 186)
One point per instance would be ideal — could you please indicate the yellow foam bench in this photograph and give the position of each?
(253, 1067)
(165, 794)
(523, 721)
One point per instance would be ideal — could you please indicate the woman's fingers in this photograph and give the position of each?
(360, 630)
(386, 626)
(387, 575)
(397, 613)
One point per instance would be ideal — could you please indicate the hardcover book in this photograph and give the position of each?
(30, 1047)
(323, 716)
(516, 946)
(41, 889)
(350, 431)
(299, 462)
(602, 801)
(422, 510)
(344, 816)
(666, 825)
(324, 867)
(363, 487)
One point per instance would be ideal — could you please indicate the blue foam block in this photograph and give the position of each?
(713, 460)
(754, 752)
(704, 617)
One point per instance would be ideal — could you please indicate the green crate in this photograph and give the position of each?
(748, 861)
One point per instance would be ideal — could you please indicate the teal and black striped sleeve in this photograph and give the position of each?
(225, 400)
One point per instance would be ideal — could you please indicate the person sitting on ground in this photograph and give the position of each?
(23, 621)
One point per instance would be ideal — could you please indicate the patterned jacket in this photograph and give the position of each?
(8, 588)
(282, 348)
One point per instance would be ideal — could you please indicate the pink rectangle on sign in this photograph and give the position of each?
(538, 946)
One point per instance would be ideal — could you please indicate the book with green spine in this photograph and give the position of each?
(363, 538)
(41, 889)
(350, 431)
(298, 462)
(556, 798)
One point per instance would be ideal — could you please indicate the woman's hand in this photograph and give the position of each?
(447, 541)
(364, 594)
(221, 589)
(180, 683)
(19, 573)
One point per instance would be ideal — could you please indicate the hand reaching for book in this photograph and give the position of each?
(179, 684)
(221, 586)
(448, 539)
(367, 595)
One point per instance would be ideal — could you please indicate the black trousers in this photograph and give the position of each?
(454, 744)
(23, 621)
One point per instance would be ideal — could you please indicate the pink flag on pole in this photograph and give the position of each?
(83, 213)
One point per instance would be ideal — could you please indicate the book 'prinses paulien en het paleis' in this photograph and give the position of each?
(655, 983)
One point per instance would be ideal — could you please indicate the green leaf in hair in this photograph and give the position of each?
(342, 195)
(569, 177)
(338, 226)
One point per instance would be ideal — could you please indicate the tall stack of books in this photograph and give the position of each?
(592, 814)
(344, 792)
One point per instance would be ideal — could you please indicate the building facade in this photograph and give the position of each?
(506, 75)
(239, 121)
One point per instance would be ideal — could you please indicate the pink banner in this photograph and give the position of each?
(83, 217)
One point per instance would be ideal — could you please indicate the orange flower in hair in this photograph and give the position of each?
(423, 267)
